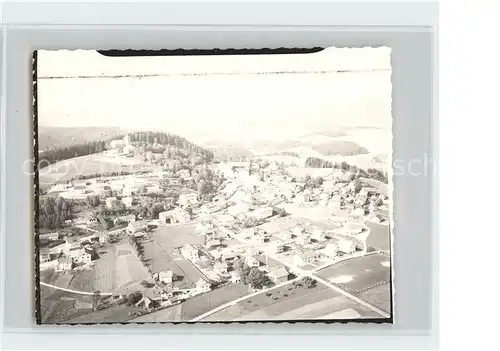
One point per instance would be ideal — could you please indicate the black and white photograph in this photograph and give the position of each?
(213, 188)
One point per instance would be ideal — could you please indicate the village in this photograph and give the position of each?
(148, 241)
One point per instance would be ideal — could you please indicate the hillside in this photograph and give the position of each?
(173, 146)
(232, 154)
(55, 137)
(338, 147)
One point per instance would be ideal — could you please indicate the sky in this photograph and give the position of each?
(233, 98)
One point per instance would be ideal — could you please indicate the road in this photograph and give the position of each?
(300, 274)
(74, 291)
(234, 302)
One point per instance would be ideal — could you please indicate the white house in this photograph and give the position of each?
(165, 277)
(64, 264)
(262, 213)
(252, 262)
(84, 257)
(127, 201)
(111, 201)
(303, 239)
(220, 268)
(213, 243)
(235, 277)
(346, 246)
(44, 255)
(190, 252)
(331, 250)
(305, 258)
(49, 236)
(134, 227)
(203, 286)
(188, 199)
(278, 275)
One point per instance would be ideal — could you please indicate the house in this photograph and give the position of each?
(44, 254)
(303, 239)
(111, 201)
(203, 286)
(210, 208)
(125, 219)
(228, 256)
(318, 235)
(305, 258)
(252, 262)
(262, 213)
(72, 244)
(189, 252)
(64, 264)
(188, 199)
(358, 212)
(49, 236)
(127, 201)
(247, 233)
(220, 268)
(331, 250)
(134, 227)
(285, 235)
(298, 231)
(277, 247)
(346, 246)
(166, 277)
(235, 277)
(84, 257)
(278, 275)
(213, 243)
(369, 191)
(205, 227)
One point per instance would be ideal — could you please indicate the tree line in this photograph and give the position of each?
(50, 156)
(53, 212)
(373, 173)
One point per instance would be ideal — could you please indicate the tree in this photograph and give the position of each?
(309, 282)
(93, 200)
(202, 187)
(307, 178)
(358, 186)
(256, 278)
(134, 298)
(279, 211)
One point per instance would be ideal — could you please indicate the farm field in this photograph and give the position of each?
(288, 302)
(86, 165)
(379, 238)
(170, 237)
(167, 314)
(109, 315)
(358, 274)
(379, 296)
(159, 253)
(205, 302)
(58, 306)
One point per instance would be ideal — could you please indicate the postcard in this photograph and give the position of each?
(213, 188)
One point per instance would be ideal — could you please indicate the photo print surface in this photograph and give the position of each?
(213, 188)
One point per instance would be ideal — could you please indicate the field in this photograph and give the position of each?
(164, 315)
(205, 302)
(379, 238)
(109, 315)
(379, 296)
(288, 302)
(117, 270)
(86, 165)
(159, 252)
(58, 306)
(358, 274)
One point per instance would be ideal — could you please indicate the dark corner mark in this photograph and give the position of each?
(212, 52)
(36, 189)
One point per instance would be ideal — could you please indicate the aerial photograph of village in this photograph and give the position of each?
(214, 188)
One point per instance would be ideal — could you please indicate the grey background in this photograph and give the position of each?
(414, 129)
